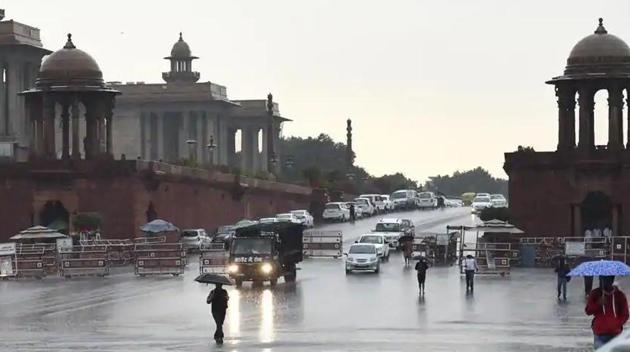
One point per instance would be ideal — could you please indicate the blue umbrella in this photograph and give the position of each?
(158, 225)
(601, 268)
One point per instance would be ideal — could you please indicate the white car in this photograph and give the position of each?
(498, 201)
(392, 229)
(304, 217)
(427, 200)
(288, 217)
(378, 240)
(404, 199)
(362, 256)
(336, 211)
(366, 206)
(480, 203)
(267, 220)
(195, 239)
(482, 195)
(376, 200)
(389, 205)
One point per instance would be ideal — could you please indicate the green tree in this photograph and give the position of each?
(476, 180)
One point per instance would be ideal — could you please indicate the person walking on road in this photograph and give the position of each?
(609, 307)
(353, 213)
(407, 247)
(562, 269)
(218, 298)
(470, 268)
(421, 267)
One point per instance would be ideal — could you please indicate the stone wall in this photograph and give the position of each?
(121, 192)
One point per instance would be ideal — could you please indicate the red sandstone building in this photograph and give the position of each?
(581, 185)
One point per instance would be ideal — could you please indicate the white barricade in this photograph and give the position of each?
(317, 243)
(8, 260)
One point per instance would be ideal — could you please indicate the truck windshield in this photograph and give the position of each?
(387, 227)
(249, 246)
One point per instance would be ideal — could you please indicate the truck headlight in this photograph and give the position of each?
(266, 268)
(233, 268)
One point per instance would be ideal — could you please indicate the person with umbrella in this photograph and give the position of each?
(421, 267)
(607, 304)
(218, 298)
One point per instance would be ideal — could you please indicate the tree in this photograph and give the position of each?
(476, 180)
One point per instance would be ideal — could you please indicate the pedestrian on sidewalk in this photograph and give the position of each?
(421, 267)
(609, 307)
(470, 268)
(218, 298)
(562, 269)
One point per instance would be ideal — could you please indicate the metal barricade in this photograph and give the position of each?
(29, 262)
(213, 259)
(159, 259)
(84, 261)
(119, 252)
(317, 243)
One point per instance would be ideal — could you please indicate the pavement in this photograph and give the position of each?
(325, 310)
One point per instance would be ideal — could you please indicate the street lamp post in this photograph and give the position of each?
(211, 147)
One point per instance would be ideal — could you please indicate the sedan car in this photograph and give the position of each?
(195, 239)
(378, 240)
(362, 256)
(336, 211)
(288, 217)
(267, 220)
(498, 201)
(304, 217)
(480, 203)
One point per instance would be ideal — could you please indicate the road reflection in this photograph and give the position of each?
(234, 312)
(267, 312)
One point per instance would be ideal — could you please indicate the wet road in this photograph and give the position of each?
(324, 311)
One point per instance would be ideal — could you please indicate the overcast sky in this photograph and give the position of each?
(431, 86)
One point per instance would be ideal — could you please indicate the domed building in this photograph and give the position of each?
(185, 120)
(68, 82)
(581, 186)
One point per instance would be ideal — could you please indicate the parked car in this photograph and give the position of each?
(392, 229)
(480, 203)
(389, 205)
(377, 239)
(195, 239)
(408, 227)
(336, 211)
(404, 199)
(482, 195)
(267, 220)
(366, 206)
(304, 217)
(427, 200)
(362, 256)
(376, 200)
(288, 217)
(224, 234)
(498, 201)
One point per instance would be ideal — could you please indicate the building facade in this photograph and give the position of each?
(21, 53)
(186, 120)
(580, 186)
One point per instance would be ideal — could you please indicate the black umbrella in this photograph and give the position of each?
(209, 278)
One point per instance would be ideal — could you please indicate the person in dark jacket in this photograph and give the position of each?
(609, 308)
(219, 300)
(562, 269)
(421, 267)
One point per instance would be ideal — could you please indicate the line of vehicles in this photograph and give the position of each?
(367, 205)
(373, 248)
(482, 201)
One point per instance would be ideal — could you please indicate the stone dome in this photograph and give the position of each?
(599, 53)
(180, 50)
(69, 66)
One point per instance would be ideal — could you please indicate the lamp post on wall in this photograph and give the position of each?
(211, 147)
(191, 149)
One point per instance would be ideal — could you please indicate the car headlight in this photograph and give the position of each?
(266, 268)
(233, 268)
(372, 260)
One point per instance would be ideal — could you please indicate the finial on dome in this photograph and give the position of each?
(600, 29)
(69, 44)
(180, 37)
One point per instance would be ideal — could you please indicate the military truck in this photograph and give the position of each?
(265, 252)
